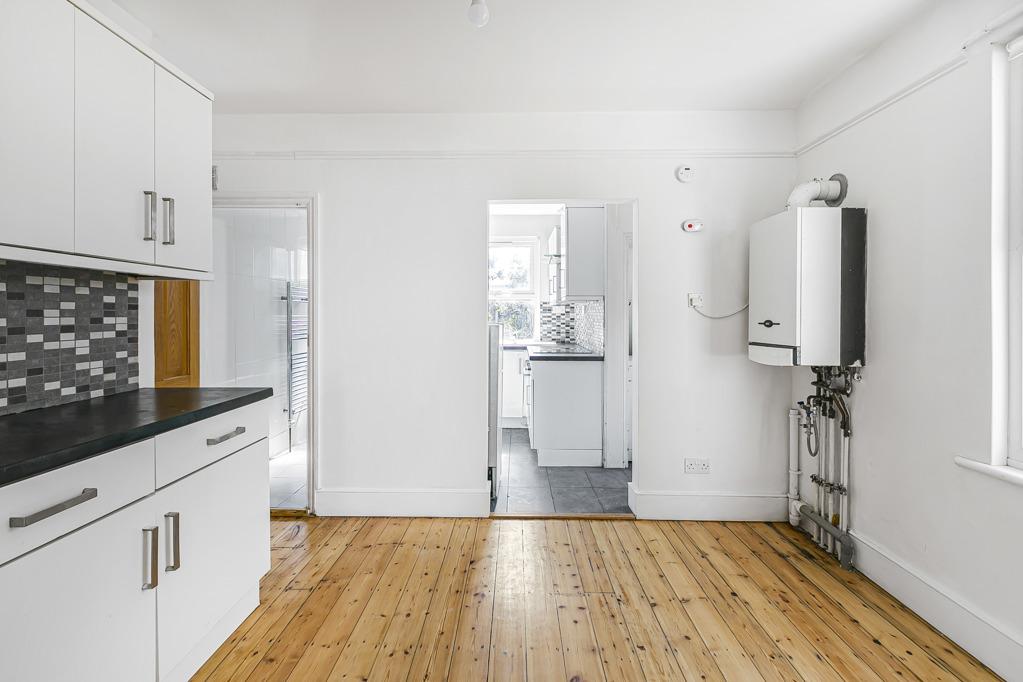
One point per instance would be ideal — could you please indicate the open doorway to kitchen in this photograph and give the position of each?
(257, 328)
(556, 304)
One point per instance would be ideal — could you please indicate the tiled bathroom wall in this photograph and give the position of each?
(579, 322)
(65, 334)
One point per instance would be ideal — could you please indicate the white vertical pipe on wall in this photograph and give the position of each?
(794, 466)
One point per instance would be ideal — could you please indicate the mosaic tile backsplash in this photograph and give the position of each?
(579, 322)
(65, 335)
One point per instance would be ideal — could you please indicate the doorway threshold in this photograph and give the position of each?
(569, 516)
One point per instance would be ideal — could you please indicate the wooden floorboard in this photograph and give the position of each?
(580, 600)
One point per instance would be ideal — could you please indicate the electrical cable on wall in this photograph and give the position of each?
(720, 317)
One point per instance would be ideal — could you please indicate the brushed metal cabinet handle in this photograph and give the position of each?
(174, 537)
(151, 536)
(24, 521)
(169, 233)
(150, 233)
(227, 436)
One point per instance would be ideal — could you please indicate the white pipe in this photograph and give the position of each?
(794, 517)
(822, 430)
(832, 477)
(815, 190)
(843, 518)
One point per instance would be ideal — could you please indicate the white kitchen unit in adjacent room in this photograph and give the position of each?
(583, 253)
(567, 408)
(513, 407)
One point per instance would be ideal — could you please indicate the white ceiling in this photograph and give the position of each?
(371, 56)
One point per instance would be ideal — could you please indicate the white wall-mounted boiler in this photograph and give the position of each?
(807, 287)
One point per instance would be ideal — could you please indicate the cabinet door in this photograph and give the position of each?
(37, 115)
(584, 252)
(76, 609)
(184, 144)
(113, 145)
(512, 384)
(222, 536)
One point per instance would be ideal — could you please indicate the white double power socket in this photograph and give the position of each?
(696, 465)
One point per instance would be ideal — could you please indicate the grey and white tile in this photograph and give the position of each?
(532, 500)
(578, 500)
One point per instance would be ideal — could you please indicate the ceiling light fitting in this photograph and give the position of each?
(479, 13)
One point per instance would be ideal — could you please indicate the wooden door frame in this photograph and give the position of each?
(310, 202)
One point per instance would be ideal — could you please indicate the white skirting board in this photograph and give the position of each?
(403, 502)
(707, 506)
(215, 637)
(992, 643)
(570, 458)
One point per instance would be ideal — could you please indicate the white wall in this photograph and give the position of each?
(403, 372)
(939, 537)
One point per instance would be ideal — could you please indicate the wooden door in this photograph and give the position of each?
(184, 140)
(114, 146)
(37, 117)
(176, 312)
(76, 609)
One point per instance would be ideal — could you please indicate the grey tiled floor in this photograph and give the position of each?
(526, 487)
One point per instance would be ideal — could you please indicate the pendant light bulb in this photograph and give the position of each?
(479, 13)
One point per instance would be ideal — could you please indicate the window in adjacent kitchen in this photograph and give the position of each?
(514, 294)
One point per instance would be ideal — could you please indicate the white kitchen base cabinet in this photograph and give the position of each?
(567, 417)
(145, 590)
(221, 526)
(75, 608)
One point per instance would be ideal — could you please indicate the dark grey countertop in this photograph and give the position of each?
(37, 441)
(561, 351)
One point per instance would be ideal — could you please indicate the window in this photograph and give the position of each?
(514, 299)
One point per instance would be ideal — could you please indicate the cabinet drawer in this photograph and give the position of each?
(118, 478)
(189, 448)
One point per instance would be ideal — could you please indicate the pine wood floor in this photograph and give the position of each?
(580, 600)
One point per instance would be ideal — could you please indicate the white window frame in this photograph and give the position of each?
(533, 294)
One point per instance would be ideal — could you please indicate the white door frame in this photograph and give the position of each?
(310, 202)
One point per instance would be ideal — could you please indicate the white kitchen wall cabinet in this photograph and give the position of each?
(37, 79)
(583, 253)
(107, 148)
(184, 143)
(215, 525)
(76, 609)
(114, 146)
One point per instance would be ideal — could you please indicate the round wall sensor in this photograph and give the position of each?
(685, 174)
(692, 225)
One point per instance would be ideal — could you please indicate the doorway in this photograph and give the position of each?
(555, 289)
(257, 322)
